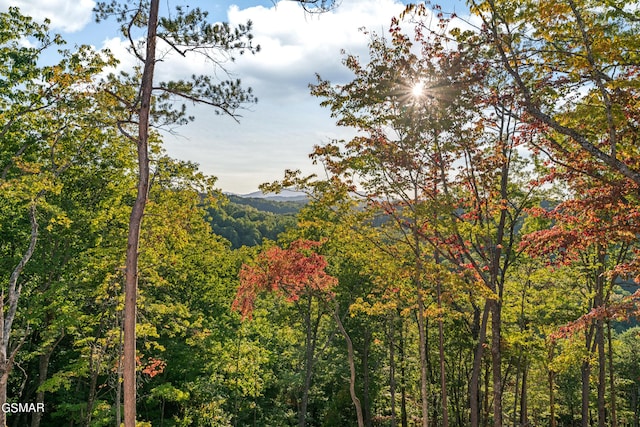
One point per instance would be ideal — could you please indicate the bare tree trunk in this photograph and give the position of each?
(135, 222)
(352, 369)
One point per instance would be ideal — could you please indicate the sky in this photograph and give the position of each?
(279, 131)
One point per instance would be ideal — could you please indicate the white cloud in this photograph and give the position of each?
(295, 45)
(65, 15)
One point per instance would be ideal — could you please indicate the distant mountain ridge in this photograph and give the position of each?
(284, 195)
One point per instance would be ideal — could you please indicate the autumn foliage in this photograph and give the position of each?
(291, 272)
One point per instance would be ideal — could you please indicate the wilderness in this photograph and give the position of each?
(469, 257)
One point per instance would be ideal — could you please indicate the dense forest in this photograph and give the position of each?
(471, 257)
(246, 221)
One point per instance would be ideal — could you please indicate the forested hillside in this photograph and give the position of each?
(470, 258)
(247, 221)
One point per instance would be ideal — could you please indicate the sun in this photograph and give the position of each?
(417, 89)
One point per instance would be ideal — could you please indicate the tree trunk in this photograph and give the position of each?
(443, 375)
(310, 347)
(135, 222)
(424, 380)
(496, 361)
(598, 302)
(602, 378)
(43, 368)
(612, 384)
(474, 386)
(524, 409)
(487, 370)
(635, 406)
(516, 389)
(352, 369)
(366, 404)
(552, 394)
(5, 368)
(585, 370)
(392, 372)
(403, 376)
(94, 371)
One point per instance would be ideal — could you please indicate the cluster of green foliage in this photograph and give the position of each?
(248, 221)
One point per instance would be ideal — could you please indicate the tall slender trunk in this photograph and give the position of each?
(424, 380)
(352, 369)
(43, 366)
(585, 371)
(598, 302)
(552, 400)
(135, 221)
(487, 370)
(443, 375)
(366, 380)
(551, 375)
(94, 370)
(524, 408)
(403, 377)
(474, 385)
(612, 384)
(516, 389)
(308, 363)
(43, 369)
(635, 406)
(496, 361)
(392, 371)
(602, 378)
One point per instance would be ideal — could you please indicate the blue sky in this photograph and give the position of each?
(280, 131)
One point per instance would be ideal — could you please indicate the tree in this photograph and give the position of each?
(399, 158)
(296, 272)
(584, 53)
(44, 130)
(186, 33)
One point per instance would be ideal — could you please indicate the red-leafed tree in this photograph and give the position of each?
(297, 273)
(292, 273)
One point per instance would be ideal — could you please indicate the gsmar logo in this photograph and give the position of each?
(14, 408)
